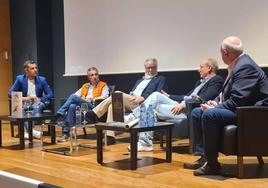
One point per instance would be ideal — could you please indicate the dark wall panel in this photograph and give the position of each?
(44, 39)
(23, 33)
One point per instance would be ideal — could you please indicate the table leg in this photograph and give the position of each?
(42, 134)
(21, 134)
(30, 130)
(99, 146)
(71, 133)
(0, 133)
(52, 133)
(169, 144)
(133, 149)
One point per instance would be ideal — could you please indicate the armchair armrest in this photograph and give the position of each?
(190, 105)
(252, 108)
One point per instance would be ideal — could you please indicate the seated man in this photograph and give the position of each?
(245, 85)
(142, 89)
(34, 88)
(172, 106)
(94, 89)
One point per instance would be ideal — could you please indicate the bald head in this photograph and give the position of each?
(231, 48)
(233, 44)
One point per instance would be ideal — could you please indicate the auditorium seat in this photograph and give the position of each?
(248, 137)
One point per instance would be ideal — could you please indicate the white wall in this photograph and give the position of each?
(117, 36)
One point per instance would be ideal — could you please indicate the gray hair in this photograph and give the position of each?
(27, 63)
(152, 60)
(213, 64)
(229, 43)
(93, 68)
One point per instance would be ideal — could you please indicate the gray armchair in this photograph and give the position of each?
(248, 137)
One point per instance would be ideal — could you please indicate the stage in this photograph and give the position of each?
(82, 170)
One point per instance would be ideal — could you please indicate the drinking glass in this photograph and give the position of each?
(84, 109)
(27, 104)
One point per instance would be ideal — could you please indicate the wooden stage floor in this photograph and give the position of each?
(81, 169)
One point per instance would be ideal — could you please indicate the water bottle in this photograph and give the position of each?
(150, 116)
(36, 110)
(78, 118)
(143, 122)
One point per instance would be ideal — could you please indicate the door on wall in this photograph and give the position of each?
(5, 56)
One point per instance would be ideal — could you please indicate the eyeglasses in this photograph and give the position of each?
(153, 67)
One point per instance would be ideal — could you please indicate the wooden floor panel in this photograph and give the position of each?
(81, 169)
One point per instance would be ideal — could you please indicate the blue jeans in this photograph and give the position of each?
(207, 130)
(69, 106)
(41, 107)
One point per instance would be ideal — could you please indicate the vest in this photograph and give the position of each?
(97, 90)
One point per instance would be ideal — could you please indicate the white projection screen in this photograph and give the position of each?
(116, 36)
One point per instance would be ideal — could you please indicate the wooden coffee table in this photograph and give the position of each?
(134, 139)
(21, 120)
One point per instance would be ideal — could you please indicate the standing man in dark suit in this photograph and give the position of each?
(172, 106)
(34, 88)
(145, 86)
(245, 85)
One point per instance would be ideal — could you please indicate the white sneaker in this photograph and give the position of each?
(26, 135)
(36, 134)
(142, 147)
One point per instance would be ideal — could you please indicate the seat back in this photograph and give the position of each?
(111, 89)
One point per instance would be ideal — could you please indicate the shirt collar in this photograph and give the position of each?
(90, 85)
(202, 80)
(232, 65)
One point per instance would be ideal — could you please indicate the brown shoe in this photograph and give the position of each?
(208, 169)
(195, 165)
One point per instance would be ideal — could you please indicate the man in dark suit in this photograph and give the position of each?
(245, 85)
(172, 106)
(34, 88)
(145, 86)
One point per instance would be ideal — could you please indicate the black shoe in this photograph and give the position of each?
(91, 117)
(64, 138)
(208, 169)
(58, 118)
(195, 165)
(110, 140)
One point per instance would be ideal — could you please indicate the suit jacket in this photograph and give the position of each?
(209, 91)
(247, 85)
(42, 89)
(157, 83)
